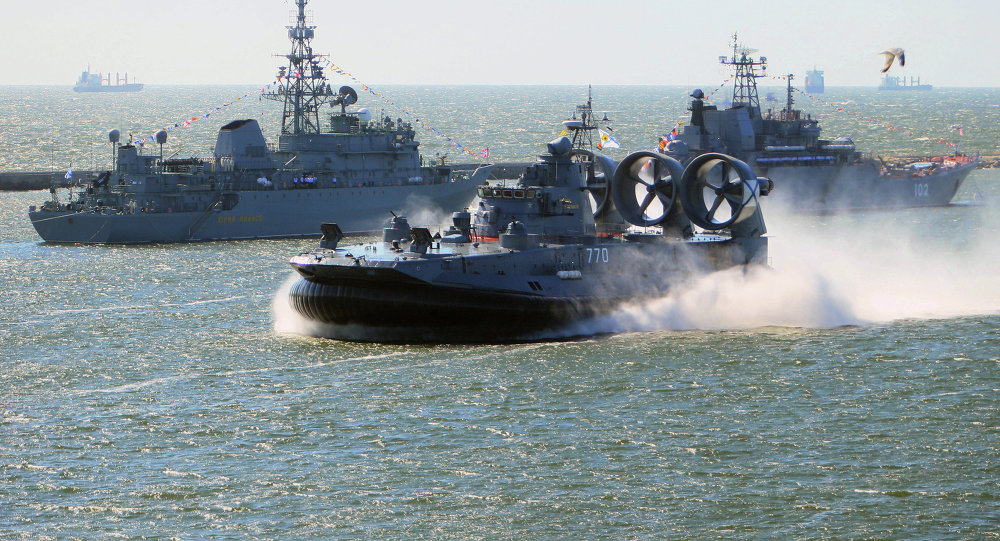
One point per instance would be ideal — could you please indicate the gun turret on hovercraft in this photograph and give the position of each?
(528, 261)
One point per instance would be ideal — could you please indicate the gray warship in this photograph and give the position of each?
(329, 163)
(530, 261)
(812, 174)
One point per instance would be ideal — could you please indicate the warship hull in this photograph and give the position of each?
(857, 187)
(256, 214)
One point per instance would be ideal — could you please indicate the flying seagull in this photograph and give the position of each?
(890, 55)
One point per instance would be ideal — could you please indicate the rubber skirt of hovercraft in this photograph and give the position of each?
(435, 313)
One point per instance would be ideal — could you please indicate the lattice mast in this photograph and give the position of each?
(301, 84)
(745, 66)
(583, 136)
(788, 93)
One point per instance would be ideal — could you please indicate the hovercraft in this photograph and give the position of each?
(530, 261)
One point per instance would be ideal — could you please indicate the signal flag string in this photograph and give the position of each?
(484, 153)
(454, 143)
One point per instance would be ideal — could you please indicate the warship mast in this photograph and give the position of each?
(788, 95)
(302, 85)
(745, 86)
(583, 137)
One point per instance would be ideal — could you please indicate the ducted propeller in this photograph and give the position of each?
(599, 170)
(644, 188)
(718, 191)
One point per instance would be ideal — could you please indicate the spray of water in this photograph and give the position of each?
(284, 318)
(421, 211)
(836, 271)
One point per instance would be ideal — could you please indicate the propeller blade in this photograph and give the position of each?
(645, 171)
(710, 215)
(646, 201)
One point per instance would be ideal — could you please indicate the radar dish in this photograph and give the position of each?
(347, 95)
(114, 136)
(161, 137)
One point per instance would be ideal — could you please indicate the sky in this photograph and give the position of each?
(948, 44)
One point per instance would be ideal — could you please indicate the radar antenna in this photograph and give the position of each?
(583, 137)
(303, 86)
(745, 86)
(788, 96)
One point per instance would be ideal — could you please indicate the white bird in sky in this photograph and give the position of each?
(890, 55)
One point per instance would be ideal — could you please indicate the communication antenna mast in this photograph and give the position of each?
(302, 85)
(745, 85)
(583, 124)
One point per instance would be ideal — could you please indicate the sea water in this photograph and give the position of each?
(849, 391)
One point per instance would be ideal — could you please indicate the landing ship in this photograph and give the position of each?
(529, 262)
(812, 174)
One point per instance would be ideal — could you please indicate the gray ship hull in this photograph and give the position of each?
(258, 214)
(828, 188)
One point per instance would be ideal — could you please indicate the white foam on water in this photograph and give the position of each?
(284, 318)
(851, 274)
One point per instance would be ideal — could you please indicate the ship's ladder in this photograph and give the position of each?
(202, 218)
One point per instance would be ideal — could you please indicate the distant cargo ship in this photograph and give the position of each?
(98, 82)
(892, 82)
(814, 81)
